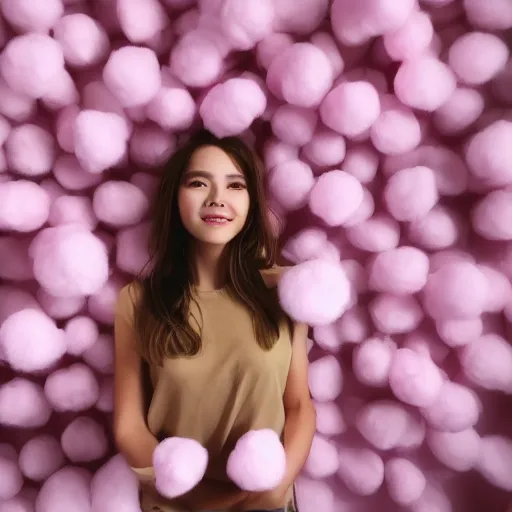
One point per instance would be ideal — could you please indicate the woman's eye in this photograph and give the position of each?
(196, 184)
(238, 186)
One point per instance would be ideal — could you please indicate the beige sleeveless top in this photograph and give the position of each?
(230, 387)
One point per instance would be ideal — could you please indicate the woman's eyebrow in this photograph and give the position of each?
(205, 174)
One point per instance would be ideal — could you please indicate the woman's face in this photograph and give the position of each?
(213, 199)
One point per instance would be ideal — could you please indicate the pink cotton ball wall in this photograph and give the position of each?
(386, 132)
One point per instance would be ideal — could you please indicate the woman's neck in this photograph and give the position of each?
(210, 266)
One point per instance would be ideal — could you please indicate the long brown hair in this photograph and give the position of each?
(162, 309)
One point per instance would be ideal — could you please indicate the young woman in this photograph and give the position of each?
(202, 348)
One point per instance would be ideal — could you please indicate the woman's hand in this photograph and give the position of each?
(267, 500)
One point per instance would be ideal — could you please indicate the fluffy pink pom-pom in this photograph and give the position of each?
(322, 461)
(41, 457)
(141, 20)
(492, 216)
(12, 479)
(372, 360)
(316, 292)
(31, 63)
(477, 57)
(290, 184)
(335, 197)
(424, 83)
(493, 15)
(68, 489)
(326, 148)
(414, 378)
(299, 21)
(308, 244)
(500, 286)
(325, 379)
(404, 480)
(294, 125)
(31, 341)
(84, 440)
(132, 254)
(495, 461)
(302, 75)
(69, 261)
(361, 470)
(179, 464)
(458, 332)
(231, 107)
(379, 233)
(23, 404)
(132, 75)
(456, 450)
(32, 16)
(351, 108)
(395, 314)
(329, 419)
(100, 356)
(362, 162)
(258, 461)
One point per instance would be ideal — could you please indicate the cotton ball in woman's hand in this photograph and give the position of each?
(41, 457)
(231, 107)
(414, 378)
(372, 360)
(335, 197)
(424, 83)
(23, 404)
(12, 479)
(456, 290)
(24, 206)
(258, 461)
(83, 40)
(459, 451)
(31, 341)
(400, 271)
(302, 75)
(325, 379)
(69, 261)
(294, 125)
(477, 57)
(322, 460)
(351, 108)
(404, 480)
(290, 184)
(132, 74)
(315, 292)
(84, 440)
(31, 63)
(67, 489)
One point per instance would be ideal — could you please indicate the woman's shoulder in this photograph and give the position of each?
(127, 299)
(272, 275)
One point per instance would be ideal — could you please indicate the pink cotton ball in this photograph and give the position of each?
(32, 16)
(31, 63)
(30, 150)
(294, 125)
(132, 254)
(500, 286)
(327, 337)
(31, 341)
(481, 152)
(327, 44)
(455, 409)
(74, 388)
(361, 470)
(81, 333)
(141, 20)
(477, 57)
(246, 23)
(316, 292)
(15, 105)
(41, 457)
(411, 39)
(492, 15)
(382, 423)
(84, 440)
(325, 379)
(23, 404)
(322, 460)
(487, 362)
(458, 451)
(132, 75)
(438, 229)
(59, 308)
(290, 184)
(65, 125)
(102, 304)
(307, 244)
(258, 461)
(365, 210)
(329, 419)
(84, 41)
(379, 233)
(456, 290)
(301, 75)
(395, 314)
(150, 146)
(111, 200)
(448, 256)
(63, 93)
(495, 461)
(458, 332)
(100, 355)
(70, 174)
(501, 85)
(12, 479)
(426, 343)
(148, 183)
(362, 162)
(353, 326)
(396, 131)
(5, 128)
(14, 299)
(371, 361)
(271, 46)
(351, 108)
(404, 480)
(325, 149)
(299, 21)
(72, 210)
(411, 193)
(459, 112)
(16, 265)
(492, 216)
(424, 83)
(105, 401)
(231, 107)
(414, 379)
(67, 489)
(195, 60)
(399, 271)
(100, 140)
